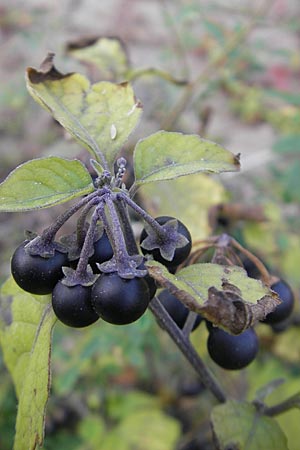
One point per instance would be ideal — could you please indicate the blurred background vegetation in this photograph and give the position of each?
(229, 71)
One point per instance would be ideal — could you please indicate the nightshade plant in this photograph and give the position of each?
(100, 271)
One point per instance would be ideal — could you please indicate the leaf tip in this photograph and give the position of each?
(46, 72)
(237, 161)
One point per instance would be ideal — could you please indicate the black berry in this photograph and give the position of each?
(102, 250)
(232, 352)
(176, 309)
(72, 305)
(284, 310)
(180, 253)
(36, 274)
(120, 301)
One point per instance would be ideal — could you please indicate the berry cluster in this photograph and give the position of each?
(283, 311)
(236, 352)
(231, 352)
(99, 271)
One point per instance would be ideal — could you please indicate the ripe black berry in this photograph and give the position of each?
(72, 305)
(36, 274)
(176, 309)
(284, 310)
(232, 352)
(180, 253)
(102, 250)
(120, 301)
(251, 268)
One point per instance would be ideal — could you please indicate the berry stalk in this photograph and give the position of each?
(187, 349)
(50, 232)
(159, 230)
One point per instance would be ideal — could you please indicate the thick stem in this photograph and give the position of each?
(82, 219)
(128, 232)
(160, 231)
(87, 245)
(114, 232)
(266, 277)
(286, 405)
(187, 349)
(189, 323)
(50, 232)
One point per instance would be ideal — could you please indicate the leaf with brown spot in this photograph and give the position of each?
(107, 54)
(224, 295)
(87, 111)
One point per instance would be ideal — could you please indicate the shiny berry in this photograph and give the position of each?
(102, 250)
(120, 301)
(72, 305)
(180, 254)
(36, 274)
(232, 352)
(285, 308)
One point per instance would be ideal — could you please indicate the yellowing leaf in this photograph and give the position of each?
(107, 54)
(88, 112)
(25, 335)
(166, 155)
(143, 430)
(239, 426)
(187, 199)
(44, 182)
(225, 295)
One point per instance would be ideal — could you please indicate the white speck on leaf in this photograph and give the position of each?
(113, 131)
(131, 111)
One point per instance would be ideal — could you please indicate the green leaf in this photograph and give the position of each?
(239, 426)
(203, 192)
(225, 295)
(92, 431)
(143, 430)
(44, 182)
(26, 324)
(120, 405)
(100, 116)
(288, 144)
(260, 372)
(166, 155)
(106, 54)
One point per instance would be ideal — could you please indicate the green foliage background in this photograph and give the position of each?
(108, 382)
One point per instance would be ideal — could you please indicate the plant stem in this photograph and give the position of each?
(185, 346)
(286, 405)
(87, 245)
(82, 219)
(160, 231)
(128, 232)
(50, 232)
(189, 323)
(114, 232)
(266, 277)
